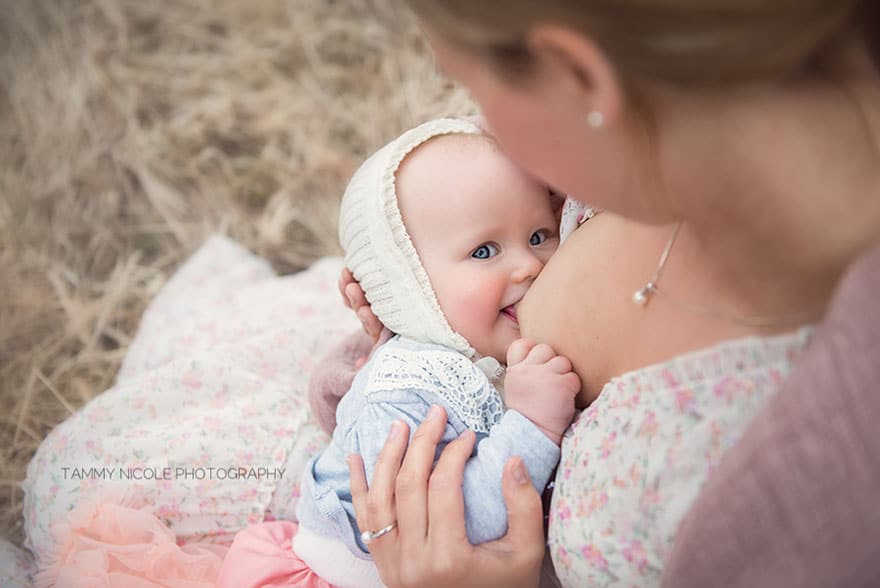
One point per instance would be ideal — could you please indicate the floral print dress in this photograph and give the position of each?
(634, 461)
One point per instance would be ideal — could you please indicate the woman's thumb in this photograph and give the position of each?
(525, 518)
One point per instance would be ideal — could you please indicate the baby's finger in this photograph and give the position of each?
(573, 382)
(518, 350)
(559, 364)
(540, 353)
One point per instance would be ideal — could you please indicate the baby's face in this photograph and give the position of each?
(483, 230)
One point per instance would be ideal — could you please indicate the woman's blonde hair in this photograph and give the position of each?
(679, 41)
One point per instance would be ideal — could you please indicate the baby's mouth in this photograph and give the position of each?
(510, 312)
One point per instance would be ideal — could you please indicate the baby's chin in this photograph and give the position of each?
(500, 351)
(495, 342)
(497, 349)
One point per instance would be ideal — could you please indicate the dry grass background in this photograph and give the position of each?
(131, 130)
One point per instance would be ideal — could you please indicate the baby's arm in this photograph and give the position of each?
(333, 375)
(485, 513)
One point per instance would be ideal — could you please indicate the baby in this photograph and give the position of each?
(445, 236)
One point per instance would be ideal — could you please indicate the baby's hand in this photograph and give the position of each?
(541, 386)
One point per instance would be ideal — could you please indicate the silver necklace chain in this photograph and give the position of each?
(644, 294)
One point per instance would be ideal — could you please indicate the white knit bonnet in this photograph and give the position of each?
(379, 251)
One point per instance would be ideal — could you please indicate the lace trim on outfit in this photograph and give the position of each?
(448, 374)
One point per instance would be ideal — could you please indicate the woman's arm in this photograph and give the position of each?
(429, 545)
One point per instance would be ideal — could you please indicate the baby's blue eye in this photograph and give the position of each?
(485, 251)
(537, 238)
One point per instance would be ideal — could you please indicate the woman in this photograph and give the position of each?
(724, 116)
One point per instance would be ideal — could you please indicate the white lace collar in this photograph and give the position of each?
(402, 364)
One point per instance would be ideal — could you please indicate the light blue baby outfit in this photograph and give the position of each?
(401, 381)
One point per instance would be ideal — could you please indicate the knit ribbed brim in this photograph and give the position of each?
(379, 251)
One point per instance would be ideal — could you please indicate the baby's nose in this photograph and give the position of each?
(528, 267)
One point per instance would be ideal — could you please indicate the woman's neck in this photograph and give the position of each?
(795, 193)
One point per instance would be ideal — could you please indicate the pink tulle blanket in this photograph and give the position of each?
(113, 543)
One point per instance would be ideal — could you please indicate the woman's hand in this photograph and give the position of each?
(429, 546)
(354, 298)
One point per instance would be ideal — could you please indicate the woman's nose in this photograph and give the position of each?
(528, 267)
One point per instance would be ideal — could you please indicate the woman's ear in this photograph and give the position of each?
(574, 63)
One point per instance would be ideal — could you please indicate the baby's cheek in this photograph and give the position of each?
(473, 308)
(476, 305)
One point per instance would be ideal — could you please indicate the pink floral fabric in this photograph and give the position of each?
(574, 214)
(210, 400)
(634, 461)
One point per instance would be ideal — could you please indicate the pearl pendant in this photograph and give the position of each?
(640, 297)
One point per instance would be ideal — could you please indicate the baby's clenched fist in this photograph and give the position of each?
(541, 386)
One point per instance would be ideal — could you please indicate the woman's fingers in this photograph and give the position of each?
(355, 299)
(412, 481)
(380, 506)
(525, 517)
(355, 296)
(345, 278)
(371, 324)
(384, 335)
(445, 497)
(359, 491)
(375, 508)
(515, 559)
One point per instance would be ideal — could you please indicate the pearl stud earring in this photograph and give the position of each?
(595, 119)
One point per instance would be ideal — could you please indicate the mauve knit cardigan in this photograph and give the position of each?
(797, 501)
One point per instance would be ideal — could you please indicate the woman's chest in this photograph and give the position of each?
(634, 462)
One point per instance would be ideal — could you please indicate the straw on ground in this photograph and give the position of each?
(131, 130)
